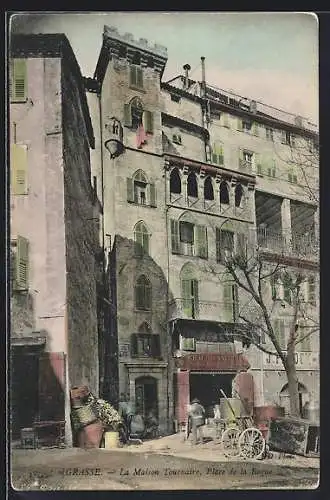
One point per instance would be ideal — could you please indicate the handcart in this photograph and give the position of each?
(241, 438)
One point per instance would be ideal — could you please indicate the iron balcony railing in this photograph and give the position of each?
(180, 308)
(304, 246)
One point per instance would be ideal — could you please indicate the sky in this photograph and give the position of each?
(270, 57)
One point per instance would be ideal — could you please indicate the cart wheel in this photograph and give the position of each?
(229, 441)
(251, 443)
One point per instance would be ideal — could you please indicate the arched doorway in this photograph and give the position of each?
(285, 400)
(146, 396)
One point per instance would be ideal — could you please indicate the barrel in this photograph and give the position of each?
(111, 439)
(225, 409)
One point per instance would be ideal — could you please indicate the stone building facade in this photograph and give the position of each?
(202, 173)
(55, 226)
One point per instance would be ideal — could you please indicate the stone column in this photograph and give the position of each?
(286, 224)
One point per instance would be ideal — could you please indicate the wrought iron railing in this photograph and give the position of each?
(180, 308)
(298, 245)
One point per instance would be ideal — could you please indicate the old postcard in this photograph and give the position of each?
(164, 250)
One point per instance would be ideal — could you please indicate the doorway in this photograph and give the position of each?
(206, 387)
(23, 391)
(146, 399)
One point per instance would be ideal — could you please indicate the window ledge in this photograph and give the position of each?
(20, 101)
(141, 205)
(139, 89)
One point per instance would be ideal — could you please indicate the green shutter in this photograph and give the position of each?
(145, 243)
(147, 121)
(201, 237)
(241, 246)
(279, 330)
(133, 345)
(305, 343)
(22, 263)
(195, 298)
(226, 122)
(130, 189)
(239, 124)
(127, 115)
(175, 236)
(259, 169)
(255, 128)
(18, 163)
(228, 302)
(155, 346)
(19, 83)
(152, 195)
(187, 304)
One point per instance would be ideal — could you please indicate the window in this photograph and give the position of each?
(175, 182)
(217, 153)
(140, 191)
(187, 344)
(21, 264)
(136, 76)
(279, 331)
(246, 160)
(175, 98)
(271, 169)
(311, 290)
(215, 114)
(189, 239)
(288, 138)
(230, 302)
(292, 177)
(224, 244)
(260, 170)
(192, 189)
(145, 345)
(208, 189)
(287, 292)
(137, 118)
(143, 294)
(246, 125)
(18, 169)
(304, 337)
(238, 195)
(141, 238)
(189, 291)
(176, 138)
(269, 134)
(18, 80)
(224, 193)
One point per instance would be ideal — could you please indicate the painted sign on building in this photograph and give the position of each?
(303, 360)
(213, 361)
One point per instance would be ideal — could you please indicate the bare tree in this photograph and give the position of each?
(252, 274)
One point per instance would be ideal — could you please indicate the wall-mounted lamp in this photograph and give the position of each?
(114, 143)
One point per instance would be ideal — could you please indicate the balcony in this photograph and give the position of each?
(202, 310)
(245, 166)
(300, 246)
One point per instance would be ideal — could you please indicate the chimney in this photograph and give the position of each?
(186, 68)
(203, 77)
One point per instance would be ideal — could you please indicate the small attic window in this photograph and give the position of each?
(175, 98)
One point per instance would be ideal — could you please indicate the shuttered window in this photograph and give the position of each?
(148, 122)
(241, 246)
(18, 168)
(127, 115)
(201, 241)
(304, 338)
(18, 81)
(143, 294)
(130, 190)
(230, 302)
(136, 76)
(190, 300)
(141, 238)
(22, 264)
(152, 190)
(224, 244)
(279, 330)
(217, 153)
(311, 293)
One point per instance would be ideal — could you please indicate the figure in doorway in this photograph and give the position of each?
(196, 419)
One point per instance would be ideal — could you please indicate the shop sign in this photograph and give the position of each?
(212, 361)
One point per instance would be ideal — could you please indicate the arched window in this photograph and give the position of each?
(192, 185)
(238, 195)
(136, 112)
(224, 193)
(208, 189)
(140, 188)
(143, 293)
(189, 291)
(141, 238)
(175, 182)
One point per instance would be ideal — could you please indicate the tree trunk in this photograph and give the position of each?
(293, 389)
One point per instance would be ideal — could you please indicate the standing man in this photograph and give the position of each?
(196, 419)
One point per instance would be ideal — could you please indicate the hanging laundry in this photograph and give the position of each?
(141, 137)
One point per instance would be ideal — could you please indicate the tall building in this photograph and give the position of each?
(55, 242)
(202, 173)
